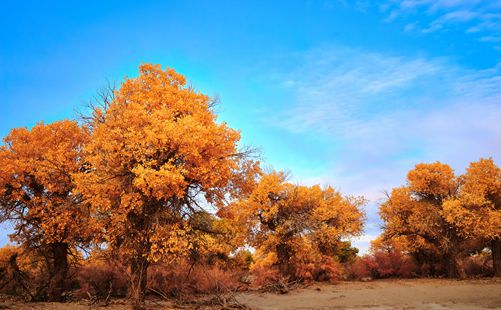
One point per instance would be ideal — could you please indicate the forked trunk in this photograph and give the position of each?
(496, 256)
(137, 288)
(58, 271)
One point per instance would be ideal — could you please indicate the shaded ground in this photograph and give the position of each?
(434, 294)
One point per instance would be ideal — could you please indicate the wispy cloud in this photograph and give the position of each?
(475, 16)
(495, 39)
(340, 90)
(386, 113)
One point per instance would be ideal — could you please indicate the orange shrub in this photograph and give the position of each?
(242, 259)
(101, 279)
(8, 282)
(22, 273)
(328, 269)
(264, 274)
(325, 268)
(182, 278)
(383, 264)
(361, 268)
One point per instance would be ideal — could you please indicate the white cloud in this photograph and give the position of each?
(350, 93)
(477, 17)
(363, 243)
(386, 113)
(495, 39)
(410, 27)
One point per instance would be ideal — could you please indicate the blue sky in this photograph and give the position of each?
(347, 93)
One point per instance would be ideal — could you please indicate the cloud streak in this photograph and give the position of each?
(385, 113)
(480, 18)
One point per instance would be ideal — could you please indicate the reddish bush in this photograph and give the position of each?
(361, 268)
(100, 280)
(479, 265)
(328, 269)
(181, 278)
(394, 264)
(263, 275)
(384, 265)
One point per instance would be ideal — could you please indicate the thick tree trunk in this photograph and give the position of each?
(283, 258)
(58, 271)
(455, 267)
(137, 288)
(496, 256)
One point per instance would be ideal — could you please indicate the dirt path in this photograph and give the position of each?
(385, 294)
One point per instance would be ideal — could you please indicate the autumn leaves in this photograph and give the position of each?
(447, 217)
(157, 159)
(139, 177)
(293, 226)
(151, 176)
(37, 193)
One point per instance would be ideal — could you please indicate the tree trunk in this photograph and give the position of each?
(58, 271)
(455, 267)
(137, 288)
(496, 256)
(283, 260)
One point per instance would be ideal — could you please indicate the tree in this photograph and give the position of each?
(477, 208)
(157, 156)
(37, 194)
(291, 225)
(416, 211)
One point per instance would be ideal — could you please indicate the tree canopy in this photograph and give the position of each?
(156, 156)
(37, 193)
(291, 225)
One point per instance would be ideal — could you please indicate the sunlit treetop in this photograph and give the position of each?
(432, 180)
(158, 155)
(477, 209)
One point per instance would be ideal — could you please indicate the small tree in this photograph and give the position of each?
(292, 225)
(37, 194)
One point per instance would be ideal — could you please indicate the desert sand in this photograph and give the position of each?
(385, 294)
(436, 294)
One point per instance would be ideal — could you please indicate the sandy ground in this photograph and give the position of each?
(385, 294)
(434, 294)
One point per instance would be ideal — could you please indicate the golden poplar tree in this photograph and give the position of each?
(157, 156)
(416, 211)
(292, 225)
(37, 194)
(477, 208)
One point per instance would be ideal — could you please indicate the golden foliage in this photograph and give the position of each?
(438, 212)
(157, 157)
(36, 183)
(292, 225)
(416, 210)
(477, 208)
